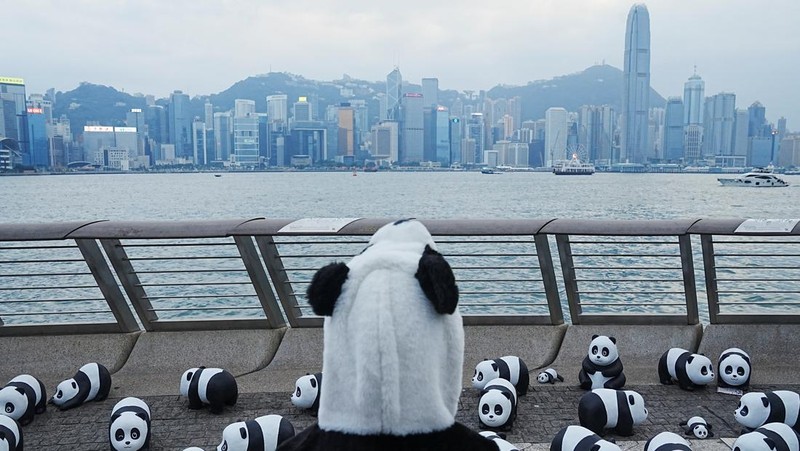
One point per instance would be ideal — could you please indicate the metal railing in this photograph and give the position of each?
(111, 276)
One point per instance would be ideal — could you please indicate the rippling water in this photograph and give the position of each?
(387, 194)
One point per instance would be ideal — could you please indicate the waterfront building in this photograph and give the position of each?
(693, 132)
(456, 135)
(636, 91)
(385, 141)
(719, 120)
(789, 153)
(14, 117)
(469, 148)
(180, 124)
(278, 108)
(757, 120)
(223, 136)
(394, 93)
(38, 155)
(136, 118)
(42, 102)
(165, 155)
(98, 137)
(246, 150)
(692, 143)
(155, 118)
(430, 92)
(595, 130)
(200, 152)
(346, 132)
(655, 134)
(301, 110)
(475, 132)
(244, 107)
(442, 136)
(361, 123)
(208, 111)
(411, 128)
(114, 158)
(309, 139)
(740, 129)
(555, 135)
(760, 152)
(514, 108)
(491, 158)
(673, 130)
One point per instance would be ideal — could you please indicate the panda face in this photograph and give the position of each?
(234, 437)
(305, 391)
(13, 402)
(636, 405)
(128, 432)
(543, 378)
(753, 410)
(753, 441)
(700, 431)
(603, 350)
(734, 370)
(484, 372)
(186, 380)
(65, 391)
(699, 369)
(494, 408)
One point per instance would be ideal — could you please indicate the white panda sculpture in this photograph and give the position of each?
(23, 397)
(500, 441)
(779, 406)
(769, 437)
(306, 391)
(602, 367)
(129, 425)
(734, 369)
(497, 407)
(549, 376)
(697, 427)
(606, 409)
(214, 387)
(92, 382)
(689, 370)
(393, 350)
(667, 441)
(510, 368)
(578, 438)
(264, 433)
(10, 434)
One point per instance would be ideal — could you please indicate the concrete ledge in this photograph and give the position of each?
(773, 349)
(300, 352)
(57, 357)
(537, 346)
(640, 347)
(159, 358)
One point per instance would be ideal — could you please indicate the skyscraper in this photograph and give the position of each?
(394, 92)
(411, 128)
(693, 103)
(636, 92)
(430, 91)
(673, 135)
(13, 115)
(555, 135)
(278, 108)
(720, 112)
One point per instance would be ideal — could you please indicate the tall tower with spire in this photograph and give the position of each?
(394, 94)
(636, 92)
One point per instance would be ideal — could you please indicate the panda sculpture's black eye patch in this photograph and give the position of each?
(74, 385)
(298, 392)
(740, 371)
(631, 400)
(594, 349)
(605, 352)
(134, 433)
(485, 409)
(728, 369)
(243, 432)
(189, 376)
(744, 411)
(498, 409)
(119, 435)
(9, 407)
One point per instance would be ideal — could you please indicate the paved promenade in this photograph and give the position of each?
(542, 412)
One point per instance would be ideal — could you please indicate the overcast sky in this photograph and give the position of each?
(747, 47)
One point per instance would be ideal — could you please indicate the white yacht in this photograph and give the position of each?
(757, 178)
(573, 167)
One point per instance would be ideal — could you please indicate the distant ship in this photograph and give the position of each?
(757, 178)
(573, 167)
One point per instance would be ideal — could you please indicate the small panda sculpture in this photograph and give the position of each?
(689, 370)
(497, 407)
(770, 437)
(129, 426)
(697, 427)
(23, 397)
(549, 376)
(734, 369)
(578, 438)
(306, 391)
(92, 382)
(214, 387)
(602, 367)
(264, 433)
(510, 368)
(10, 434)
(779, 406)
(500, 441)
(606, 409)
(667, 441)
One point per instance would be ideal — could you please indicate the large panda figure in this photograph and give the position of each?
(23, 397)
(605, 409)
(734, 369)
(688, 370)
(10, 434)
(129, 425)
(578, 438)
(306, 391)
(667, 441)
(92, 382)
(770, 437)
(214, 387)
(497, 408)
(393, 349)
(756, 409)
(264, 433)
(602, 367)
(510, 368)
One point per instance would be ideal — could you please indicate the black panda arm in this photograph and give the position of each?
(325, 288)
(437, 281)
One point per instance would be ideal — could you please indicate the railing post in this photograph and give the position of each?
(260, 281)
(689, 285)
(570, 281)
(549, 279)
(272, 259)
(130, 282)
(710, 270)
(108, 286)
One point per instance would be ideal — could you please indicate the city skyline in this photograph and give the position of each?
(738, 46)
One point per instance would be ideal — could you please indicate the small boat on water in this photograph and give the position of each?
(573, 167)
(217, 175)
(757, 178)
(490, 171)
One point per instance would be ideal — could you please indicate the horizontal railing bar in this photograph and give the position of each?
(65, 260)
(756, 280)
(756, 242)
(27, 248)
(54, 300)
(502, 292)
(638, 243)
(629, 280)
(45, 274)
(504, 268)
(759, 291)
(162, 245)
(192, 284)
(629, 304)
(757, 268)
(628, 255)
(62, 312)
(67, 287)
(192, 309)
(183, 271)
(500, 304)
(202, 296)
(717, 254)
(614, 268)
(199, 257)
(629, 292)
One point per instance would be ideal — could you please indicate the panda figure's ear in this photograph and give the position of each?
(595, 336)
(613, 340)
(437, 281)
(325, 288)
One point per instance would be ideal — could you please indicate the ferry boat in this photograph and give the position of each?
(757, 178)
(573, 167)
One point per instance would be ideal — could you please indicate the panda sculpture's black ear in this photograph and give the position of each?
(595, 336)
(437, 281)
(243, 432)
(325, 288)
(613, 340)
